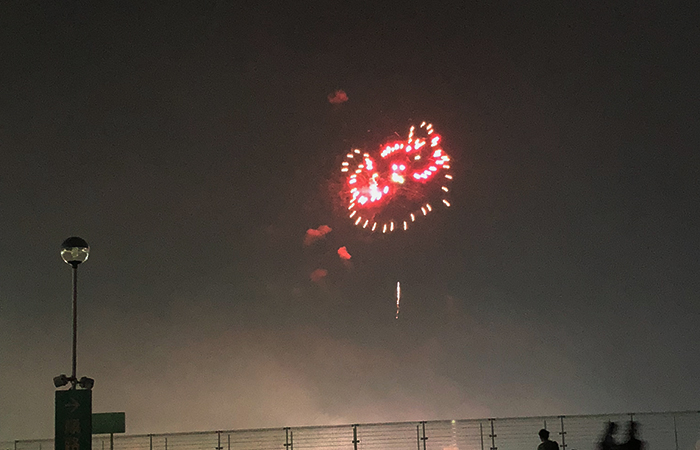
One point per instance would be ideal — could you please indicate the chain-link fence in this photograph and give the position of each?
(660, 431)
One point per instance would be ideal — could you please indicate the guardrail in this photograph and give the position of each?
(660, 431)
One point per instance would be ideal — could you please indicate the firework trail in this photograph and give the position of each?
(398, 298)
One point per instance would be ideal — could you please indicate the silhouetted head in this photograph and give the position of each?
(544, 434)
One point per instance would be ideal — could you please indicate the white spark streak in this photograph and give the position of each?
(398, 298)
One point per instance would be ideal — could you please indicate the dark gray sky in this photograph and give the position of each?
(192, 147)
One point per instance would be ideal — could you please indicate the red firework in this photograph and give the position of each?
(399, 182)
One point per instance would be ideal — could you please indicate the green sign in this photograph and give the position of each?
(73, 420)
(108, 423)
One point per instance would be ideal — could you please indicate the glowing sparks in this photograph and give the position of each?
(390, 186)
(396, 178)
(398, 298)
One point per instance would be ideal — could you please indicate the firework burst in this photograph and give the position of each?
(396, 184)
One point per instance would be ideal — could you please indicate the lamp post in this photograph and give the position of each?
(73, 429)
(74, 251)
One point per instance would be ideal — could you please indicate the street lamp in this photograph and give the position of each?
(74, 251)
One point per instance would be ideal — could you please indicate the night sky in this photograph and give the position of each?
(194, 146)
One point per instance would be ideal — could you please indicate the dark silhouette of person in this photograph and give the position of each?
(607, 442)
(632, 442)
(546, 443)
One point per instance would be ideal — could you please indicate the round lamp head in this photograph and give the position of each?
(74, 251)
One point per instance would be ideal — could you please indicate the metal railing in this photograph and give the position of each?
(660, 431)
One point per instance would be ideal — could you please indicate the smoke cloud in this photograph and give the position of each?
(318, 274)
(343, 253)
(313, 235)
(337, 97)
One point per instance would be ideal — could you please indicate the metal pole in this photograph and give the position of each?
(563, 437)
(493, 437)
(75, 322)
(675, 430)
(418, 436)
(424, 438)
(354, 437)
(111, 441)
(481, 432)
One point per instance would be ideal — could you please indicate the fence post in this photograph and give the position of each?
(675, 431)
(150, 441)
(355, 441)
(218, 441)
(288, 439)
(229, 441)
(424, 438)
(493, 436)
(454, 434)
(481, 433)
(166, 443)
(562, 433)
